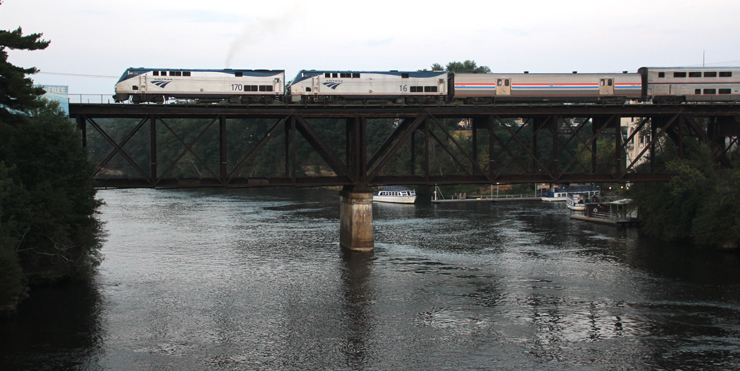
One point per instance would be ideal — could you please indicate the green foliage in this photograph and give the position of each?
(11, 275)
(51, 213)
(16, 90)
(701, 203)
(717, 220)
(467, 67)
(48, 228)
(604, 157)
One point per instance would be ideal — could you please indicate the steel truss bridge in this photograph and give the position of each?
(501, 144)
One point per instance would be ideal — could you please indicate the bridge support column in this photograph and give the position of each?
(356, 220)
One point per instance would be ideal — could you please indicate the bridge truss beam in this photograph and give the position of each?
(238, 146)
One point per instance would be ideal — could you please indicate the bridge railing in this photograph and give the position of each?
(91, 98)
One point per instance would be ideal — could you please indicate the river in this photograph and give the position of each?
(255, 280)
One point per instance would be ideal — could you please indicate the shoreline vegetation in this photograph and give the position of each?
(48, 227)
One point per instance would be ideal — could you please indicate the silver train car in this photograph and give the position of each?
(546, 87)
(235, 86)
(691, 84)
(313, 86)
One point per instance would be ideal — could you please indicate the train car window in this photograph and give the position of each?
(725, 74)
(308, 90)
(327, 75)
(417, 89)
(163, 73)
(134, 87)
(404, 75)
(610, 82)
(601, 82)
(155, 73)
(506, 82)
(334, 75)
(710, 74)
(694, 74)
(697, 91)
(175, 73)
(679, 74)
(725, 91)
(345, 75)
(661, 74)
(355, 75)
(236, 74)
(250, 88)
(499, 82)
(268, 88)
(187, 73)
(710, 91)
(263, 88)
(430, 89)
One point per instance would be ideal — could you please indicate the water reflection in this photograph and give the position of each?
(59, 327)
(358, 299)
(255, 279)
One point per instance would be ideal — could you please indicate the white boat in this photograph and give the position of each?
(395, 194)
(560, 194)
(555, 195)
(578, 200)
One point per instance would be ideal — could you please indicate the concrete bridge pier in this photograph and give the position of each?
(356, 220)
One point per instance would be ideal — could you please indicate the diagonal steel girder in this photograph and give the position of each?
(389, 142)
(703, 136)
(119, 148)
(255, 150)
(404, 135)
(505, 146)
(653, 140)
(593, 139)
(450, 137)
(324, 151)
(188, 148)
(524, 146)
(573, 135)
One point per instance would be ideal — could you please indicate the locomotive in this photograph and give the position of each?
(656, 84)
(157, 85)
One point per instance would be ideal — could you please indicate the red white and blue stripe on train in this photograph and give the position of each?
(241, 86)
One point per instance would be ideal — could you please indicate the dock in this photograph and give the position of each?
(487, 198)
(610, 211)
(612, 222)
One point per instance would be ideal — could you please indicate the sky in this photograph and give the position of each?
(94, 41)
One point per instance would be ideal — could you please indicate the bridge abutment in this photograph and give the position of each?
(356, 220)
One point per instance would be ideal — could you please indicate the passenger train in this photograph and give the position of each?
(656, 84)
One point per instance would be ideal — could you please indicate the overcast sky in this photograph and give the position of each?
(94, 41)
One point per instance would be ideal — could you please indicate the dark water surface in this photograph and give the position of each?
(255, 279)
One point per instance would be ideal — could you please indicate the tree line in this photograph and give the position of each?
(48, 225)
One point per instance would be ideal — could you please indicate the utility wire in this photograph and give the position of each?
(78, 75)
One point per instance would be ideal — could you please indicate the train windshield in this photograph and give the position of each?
(133, 72)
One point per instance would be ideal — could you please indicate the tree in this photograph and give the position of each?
(467, 67)
(463, 67)
(48, 228)
(16, 90)
(700, 204)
